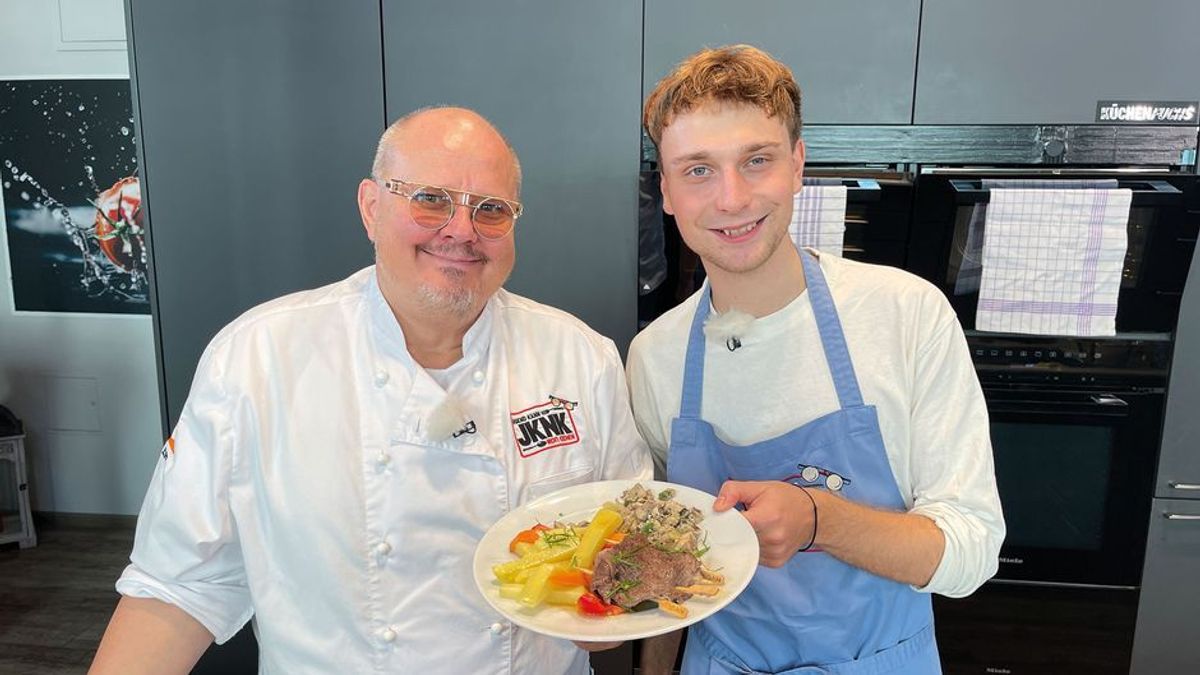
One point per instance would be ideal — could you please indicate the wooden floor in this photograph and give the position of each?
(56, 598)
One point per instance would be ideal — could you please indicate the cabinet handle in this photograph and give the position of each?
(1183, 486)
(1180, 516)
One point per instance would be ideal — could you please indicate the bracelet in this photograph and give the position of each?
(813, 539)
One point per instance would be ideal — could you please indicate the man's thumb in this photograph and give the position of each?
(734, 491)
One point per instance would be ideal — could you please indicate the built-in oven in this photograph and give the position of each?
(1162, 227)
(878, 207)
(1075, 426)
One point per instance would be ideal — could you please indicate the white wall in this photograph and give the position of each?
(85, 384)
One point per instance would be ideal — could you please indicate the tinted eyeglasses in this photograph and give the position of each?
(432, 207)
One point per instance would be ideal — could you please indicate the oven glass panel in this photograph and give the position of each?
(1053, 482)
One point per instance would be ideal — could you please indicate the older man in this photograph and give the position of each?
(343, 449)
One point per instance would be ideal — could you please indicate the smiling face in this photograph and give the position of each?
(729, 173)
(452, 270)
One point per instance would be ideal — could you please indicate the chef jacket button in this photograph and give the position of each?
(497, 628)
(477, 376)
(383, 548)
(382, 460)
(381, 378)
(387, 635)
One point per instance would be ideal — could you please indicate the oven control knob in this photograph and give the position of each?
(1054, 149)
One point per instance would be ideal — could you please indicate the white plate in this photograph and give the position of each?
(733, 551)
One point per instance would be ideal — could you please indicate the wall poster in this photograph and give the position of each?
(72, 197)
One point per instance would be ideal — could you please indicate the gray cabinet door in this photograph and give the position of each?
(855, 60)
(256, 122)
(560, 80)
(1179, 461)
(1039, 61)
(1168, 633)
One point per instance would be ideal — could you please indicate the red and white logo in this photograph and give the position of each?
(544, 426)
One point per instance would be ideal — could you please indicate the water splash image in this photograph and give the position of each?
(72, 197)
(111, 245)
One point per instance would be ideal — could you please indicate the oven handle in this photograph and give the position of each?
(1180, 516)
(1145, 192)
(1095, 404)
(858, 190)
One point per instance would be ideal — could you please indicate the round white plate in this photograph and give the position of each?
(733, 552)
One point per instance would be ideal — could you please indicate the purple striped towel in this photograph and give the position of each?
(1052, 261)
(967, 260)
(819, 218)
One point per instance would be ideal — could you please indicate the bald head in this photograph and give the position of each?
(450, 133)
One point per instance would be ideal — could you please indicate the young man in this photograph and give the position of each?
(835, 400)
(342, 450)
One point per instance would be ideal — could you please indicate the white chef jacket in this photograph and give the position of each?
(301, 485)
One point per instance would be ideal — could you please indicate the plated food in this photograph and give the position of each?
(615, 560)
(639, 552)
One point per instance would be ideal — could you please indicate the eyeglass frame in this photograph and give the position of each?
(396, 187)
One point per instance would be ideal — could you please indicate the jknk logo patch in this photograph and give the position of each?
(544, 426)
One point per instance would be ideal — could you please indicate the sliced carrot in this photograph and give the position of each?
(523, 537)
(526, 536)
(570, 577)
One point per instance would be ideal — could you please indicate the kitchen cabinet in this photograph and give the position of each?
(255, 124)
(855, 60)
(1038, 62)
(560, 80)
(1167, 639)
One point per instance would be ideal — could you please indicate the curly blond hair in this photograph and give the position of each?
(730, 74)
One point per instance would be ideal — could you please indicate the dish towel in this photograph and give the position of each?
(819, 217)
(970, 253)
(1052, 261)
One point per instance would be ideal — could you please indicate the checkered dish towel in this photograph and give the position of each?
(1052, 261)
(819, 218)
(970, 268)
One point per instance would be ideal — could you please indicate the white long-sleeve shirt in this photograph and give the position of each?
(912, 363)
(314, 482)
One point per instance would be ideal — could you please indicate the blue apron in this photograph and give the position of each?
(815, 614)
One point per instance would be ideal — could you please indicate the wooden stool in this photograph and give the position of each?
(12, 449)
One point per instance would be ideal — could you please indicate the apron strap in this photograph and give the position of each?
(833, 341)
(693, 364)
(837, 355)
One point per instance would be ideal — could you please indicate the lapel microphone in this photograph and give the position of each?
(733, 343)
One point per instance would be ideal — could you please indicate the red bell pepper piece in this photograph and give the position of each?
(591, 604)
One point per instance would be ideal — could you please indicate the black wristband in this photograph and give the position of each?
(813, 539)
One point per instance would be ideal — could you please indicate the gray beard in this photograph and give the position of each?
(455, 301)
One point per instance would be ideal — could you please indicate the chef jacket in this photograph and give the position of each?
(313, 482)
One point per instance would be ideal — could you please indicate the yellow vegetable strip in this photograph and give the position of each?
(604, 523)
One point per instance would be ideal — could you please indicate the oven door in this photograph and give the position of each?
(1075, 471)
(1162, 229)
(878, 210)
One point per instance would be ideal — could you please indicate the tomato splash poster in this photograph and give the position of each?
(72, 197)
